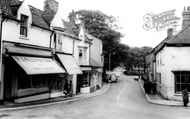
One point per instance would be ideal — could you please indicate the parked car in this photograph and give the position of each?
(113, 78)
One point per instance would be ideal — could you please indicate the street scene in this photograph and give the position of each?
(123, 100)
(92, 60)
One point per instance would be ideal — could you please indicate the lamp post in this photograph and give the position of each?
(110, 61)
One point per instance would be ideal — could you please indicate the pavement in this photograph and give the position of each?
(157, 98)
(151, 98)
(58, 100)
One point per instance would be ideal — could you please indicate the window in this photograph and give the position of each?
(80, 52)
(102, 59)
(182, 80)
(158, 59)
(36, 81)
(161, 58)
(23, 26)
(85, 82)
(158, 78)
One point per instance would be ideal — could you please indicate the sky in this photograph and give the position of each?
(130, 14)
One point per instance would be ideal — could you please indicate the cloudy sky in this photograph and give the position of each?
(130, 14)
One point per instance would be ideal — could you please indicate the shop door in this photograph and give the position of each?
(79, 78)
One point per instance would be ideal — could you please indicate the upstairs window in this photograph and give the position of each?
(23, 26)
(80, 53)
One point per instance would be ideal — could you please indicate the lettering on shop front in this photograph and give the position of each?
(36, 63)
(27, 59)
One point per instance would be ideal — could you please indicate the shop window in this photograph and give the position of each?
(39, 81)
(25, 81)
(182, 80)
(85, 80)
(58, 84)
(23, 26)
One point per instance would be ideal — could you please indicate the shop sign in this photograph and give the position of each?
(35, 65)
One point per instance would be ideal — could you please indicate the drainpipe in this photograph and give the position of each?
(51, 39)
(73, 46)
(1, 62)
(89, 52)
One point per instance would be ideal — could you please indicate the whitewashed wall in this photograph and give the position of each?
(36, 36)
(175, 59)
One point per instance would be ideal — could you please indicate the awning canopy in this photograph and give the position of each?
(36, 65)
(70, 64)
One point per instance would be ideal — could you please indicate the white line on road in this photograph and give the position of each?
(121, 92)
(136, 109)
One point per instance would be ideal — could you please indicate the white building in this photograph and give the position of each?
(171, 61)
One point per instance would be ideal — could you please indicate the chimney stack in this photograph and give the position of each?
(51, 7)
(185, 16)
(170, 32)
(72, 17)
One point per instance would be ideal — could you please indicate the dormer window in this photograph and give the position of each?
(23, 26)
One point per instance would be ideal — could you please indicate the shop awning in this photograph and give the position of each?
(36, 65)
(70, 64)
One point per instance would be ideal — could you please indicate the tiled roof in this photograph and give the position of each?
(10, 7)
(69, 29)
(159, 46)
(182, 37)
(38, 19)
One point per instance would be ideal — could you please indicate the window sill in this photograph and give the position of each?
(177, 94)
(23, 37)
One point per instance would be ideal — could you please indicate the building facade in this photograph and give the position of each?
(171, 67)
(28, 68)
(40, 52)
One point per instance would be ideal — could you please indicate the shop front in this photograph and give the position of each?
(73, 69)
(29, 76)
(96, 78)
(85, 79)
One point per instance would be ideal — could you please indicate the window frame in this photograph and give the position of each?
(24, 25)
(178, 83)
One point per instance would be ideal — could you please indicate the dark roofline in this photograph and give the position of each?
(161, 44)
(11, 18)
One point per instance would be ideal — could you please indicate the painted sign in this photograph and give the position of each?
(35, 65)
(160, 21)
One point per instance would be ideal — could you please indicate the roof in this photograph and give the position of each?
(69, 29)
(182, 38)
(38, 19)
(10, 7)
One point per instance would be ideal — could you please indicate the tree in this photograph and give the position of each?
(105, 28)
(136, 57)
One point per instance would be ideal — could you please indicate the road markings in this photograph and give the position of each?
(121, 91)
(136, 109)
